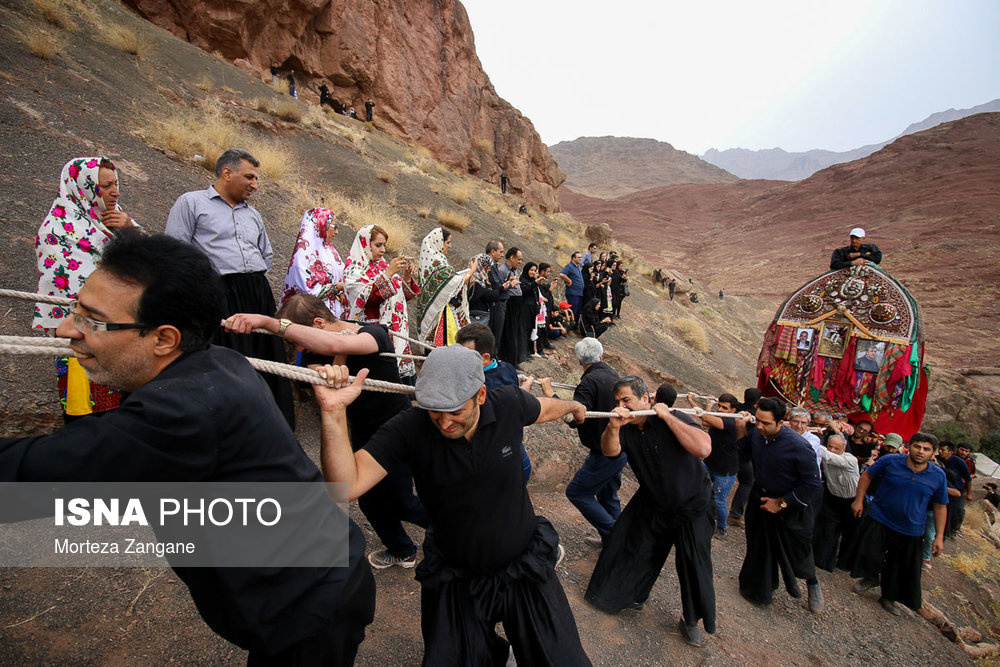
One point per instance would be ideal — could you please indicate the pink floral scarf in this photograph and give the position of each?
(316, 266)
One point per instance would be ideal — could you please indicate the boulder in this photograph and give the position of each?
(415, 60)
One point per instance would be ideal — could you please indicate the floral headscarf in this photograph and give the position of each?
(439, 284)
(362, 277)
(70, 239)
(316, 266)
(485, 264)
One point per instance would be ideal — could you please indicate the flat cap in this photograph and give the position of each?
(449, 377)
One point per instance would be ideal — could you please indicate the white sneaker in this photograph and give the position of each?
(560, 554)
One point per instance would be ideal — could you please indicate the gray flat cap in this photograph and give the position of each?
(449, 377)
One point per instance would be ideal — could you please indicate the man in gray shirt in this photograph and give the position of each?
(221, 223)
(836, 523)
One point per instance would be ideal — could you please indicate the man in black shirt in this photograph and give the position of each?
(369, 106)
(305, 322)
(671, 507)
(198, 413)
(744, 477)
(957, 472)
(487, 557)
(857, 253)
(724, 461)
(781, 512)
(861, 443)
(594, 488)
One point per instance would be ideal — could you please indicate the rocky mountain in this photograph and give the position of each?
(615, 166)
(929, 200)
(416, 60)
(775, 163)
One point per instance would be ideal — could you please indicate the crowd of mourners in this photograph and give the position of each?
(154, 373)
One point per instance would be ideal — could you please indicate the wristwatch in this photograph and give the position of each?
(283, 324)
(783, 504)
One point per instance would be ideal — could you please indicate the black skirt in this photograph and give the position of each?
(251, 293)
(893, 559)
(514, 339)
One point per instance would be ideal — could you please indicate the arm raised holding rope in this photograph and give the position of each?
(359, 470)
(322, 337)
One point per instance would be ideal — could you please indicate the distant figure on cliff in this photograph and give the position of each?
(722, 295)
(369, 106)
(275, 72)
(503, 182)
(324, 95)
(855, 254)
(672, 287)
(353, 114)
(291, 84)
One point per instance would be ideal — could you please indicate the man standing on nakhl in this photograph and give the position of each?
(781, 512)
(199, 413)
(672, 507)
(487, 557)
(858, 253)
(221, 224)
(889, 542)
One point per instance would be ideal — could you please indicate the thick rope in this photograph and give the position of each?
(41, 298)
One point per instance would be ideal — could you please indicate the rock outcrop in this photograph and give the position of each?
(416, 60)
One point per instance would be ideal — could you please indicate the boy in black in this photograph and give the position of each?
(487, 557)
(305, 322)
(672, 507)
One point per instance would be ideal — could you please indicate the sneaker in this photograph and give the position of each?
(382, 559)
(560, 554)
(815, 598)
(927, 565)
(889, 606)
(635, 606)
(691, 633)
(862, 585)
(736, 521)
(720, 533)
(595, 542)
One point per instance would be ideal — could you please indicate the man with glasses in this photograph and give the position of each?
(861, 443)
(199, 413)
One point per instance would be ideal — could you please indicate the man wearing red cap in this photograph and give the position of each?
(855, 254)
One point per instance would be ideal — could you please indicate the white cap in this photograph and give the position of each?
(857, 231)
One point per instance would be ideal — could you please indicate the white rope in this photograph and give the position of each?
(698, 412)
(521, 377)
(41, 298)
(415, 357)
(381, 354)
(40, 341)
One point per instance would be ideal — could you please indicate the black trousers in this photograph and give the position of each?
(637, 549)
(460, 610)
(834, 533)
(390, 502)
(891, 558)
(251, 293)
(498, 314)
(956, 515)
(745, 478)
(775, 542)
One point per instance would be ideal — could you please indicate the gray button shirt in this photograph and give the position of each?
(841, 473)
(234, 238)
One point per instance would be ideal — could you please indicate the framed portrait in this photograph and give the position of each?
(869, 355)
(804, 338)
(833, 338)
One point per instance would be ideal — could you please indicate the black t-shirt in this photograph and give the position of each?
(725, 456)
(373, 408)
(474, 491)
(674, 479)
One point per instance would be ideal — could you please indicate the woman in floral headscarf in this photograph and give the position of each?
(316, 267)
(377, 291)
(84, 217)
(442, 307)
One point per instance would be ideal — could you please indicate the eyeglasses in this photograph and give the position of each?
(89, 325)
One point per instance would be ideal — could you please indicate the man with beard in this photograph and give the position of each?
(893, 530)
(219, 222)
(861, 443)
(487, 557)
(672, 507)
(857, 253)
(781, 511)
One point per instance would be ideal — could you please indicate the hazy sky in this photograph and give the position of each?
(755, 74)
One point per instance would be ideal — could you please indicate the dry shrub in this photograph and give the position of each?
(459, 192)
(230, 91)
(422, 152)
(975, 518)
(483, 146)
(281, 86)
(276, 163)
(370, 211)
(44, 45)
(262, 105)
(54, 12)
(435, 187)
(692, 333)
(969, 565)
(369, 126)
(289, 110)
(385, 175)
(426, 166)
(423, 211)
(453, 219)
(128, 40)
(565, 242)
(205, 83)
(443, 170)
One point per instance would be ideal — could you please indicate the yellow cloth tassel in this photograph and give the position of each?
(77, 389)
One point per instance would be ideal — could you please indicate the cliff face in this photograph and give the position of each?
(416, 60)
